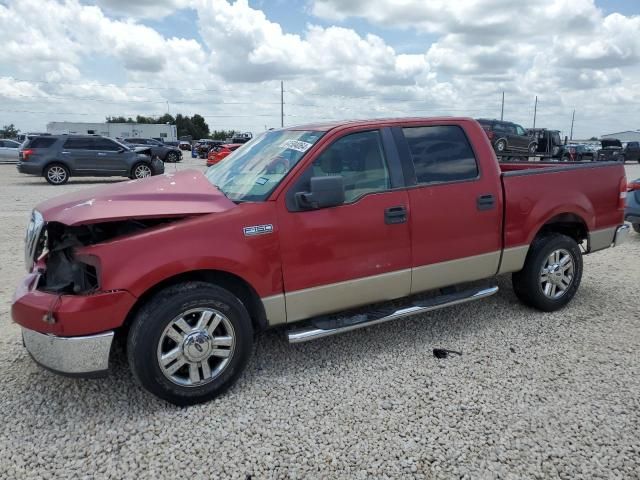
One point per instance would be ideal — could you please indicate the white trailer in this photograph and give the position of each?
(161, 131)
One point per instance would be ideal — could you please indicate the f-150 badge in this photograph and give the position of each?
(258, 230)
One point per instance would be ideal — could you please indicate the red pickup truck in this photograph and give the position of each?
(315, 228)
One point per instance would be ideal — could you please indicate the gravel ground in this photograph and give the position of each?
(534, 395)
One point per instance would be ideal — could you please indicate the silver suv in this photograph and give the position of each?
(58, 157)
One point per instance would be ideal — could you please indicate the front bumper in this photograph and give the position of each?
(76, 356)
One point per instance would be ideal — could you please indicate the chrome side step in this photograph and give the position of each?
(313, 332)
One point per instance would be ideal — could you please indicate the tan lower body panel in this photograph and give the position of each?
(274, 308)
(462, 270)
(601, 239)
(310, 302)
(339, 296)
(513, 259)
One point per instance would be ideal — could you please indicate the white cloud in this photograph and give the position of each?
(557, 49)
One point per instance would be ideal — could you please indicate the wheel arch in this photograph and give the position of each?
(568, 223)
(229, 281)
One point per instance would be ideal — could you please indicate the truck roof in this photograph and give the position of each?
(330, 125)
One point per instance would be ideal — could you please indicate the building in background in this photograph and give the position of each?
(624, 137)
(161, 131)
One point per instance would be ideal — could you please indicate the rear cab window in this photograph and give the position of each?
(441, 154)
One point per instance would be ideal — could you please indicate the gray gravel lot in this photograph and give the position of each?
(534, 395)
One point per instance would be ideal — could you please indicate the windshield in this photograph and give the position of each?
(252, 171)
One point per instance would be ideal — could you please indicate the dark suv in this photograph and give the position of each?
(167, 153)
(631, 153)
(509, 137)
(58, 157)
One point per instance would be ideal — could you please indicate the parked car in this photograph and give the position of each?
(216, 154)
(184, 145)
(577, 153)
(166, 153)
(171, 144)
(9, 150)
(508, 137)
(321, 229)
(241, 137)
(203, 146)
(632, 210)
(58, 157)
(611, 151)
(631, 152)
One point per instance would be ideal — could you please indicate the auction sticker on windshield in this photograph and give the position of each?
(297, 145)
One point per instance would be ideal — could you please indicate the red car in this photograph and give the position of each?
(216, 154)
(320, 229)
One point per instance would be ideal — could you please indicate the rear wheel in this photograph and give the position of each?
(501, 146)
(636, 227)
(56, 174)
(533, 148)
(190, 342)
(552, 273)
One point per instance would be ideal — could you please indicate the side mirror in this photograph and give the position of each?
(121, 150)
(325, 192)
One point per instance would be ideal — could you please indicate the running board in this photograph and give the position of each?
(324, 327)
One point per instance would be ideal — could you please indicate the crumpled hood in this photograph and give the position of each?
(187, 192)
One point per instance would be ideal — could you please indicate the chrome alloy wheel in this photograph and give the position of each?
(56, 174)
(142, 171)
(196, 347)
(557, 274)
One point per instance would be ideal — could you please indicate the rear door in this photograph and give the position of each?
(79, 155)
(456, 207)
(356, 253)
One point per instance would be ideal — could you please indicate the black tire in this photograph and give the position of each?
(56, 174)
(172, 157)
(533, 148)
(527, 282)
(137, 169)
(501, 146)
(636, 227)
(148, 330)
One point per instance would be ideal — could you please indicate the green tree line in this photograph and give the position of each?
(195, 126)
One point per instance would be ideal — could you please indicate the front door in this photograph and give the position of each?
(456, 208)
(110, 157)
(356, 253)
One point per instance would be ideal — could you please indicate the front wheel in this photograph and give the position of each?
(533, 148)
(141, 170)
(190, 342)
(552, 273)
(172, 157)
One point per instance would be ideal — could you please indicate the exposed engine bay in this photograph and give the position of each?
(65, 273)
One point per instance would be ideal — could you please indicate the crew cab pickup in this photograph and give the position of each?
(317, 229)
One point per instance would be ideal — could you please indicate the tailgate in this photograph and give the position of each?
(536, 193)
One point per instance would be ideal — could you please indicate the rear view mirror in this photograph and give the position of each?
(325, 192)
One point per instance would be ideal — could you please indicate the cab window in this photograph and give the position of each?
(360, 160)
(441, 154)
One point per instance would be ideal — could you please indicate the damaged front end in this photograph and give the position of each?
(55, 250)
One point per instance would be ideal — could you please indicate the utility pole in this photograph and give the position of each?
(573, 119)
(281, 103)
(168, 107)
(502, 111)
(535, 112)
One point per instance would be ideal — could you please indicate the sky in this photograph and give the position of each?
(81, 61)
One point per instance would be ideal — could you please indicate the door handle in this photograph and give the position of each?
(395, 215)
(101, 154)
(486, 202)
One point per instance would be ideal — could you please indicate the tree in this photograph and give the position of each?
(9, 131)
(222, 134)
(120, 120)
(200, 127)
(195, 126)
(594, 139)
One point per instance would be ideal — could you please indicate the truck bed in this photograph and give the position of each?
(535, 192)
